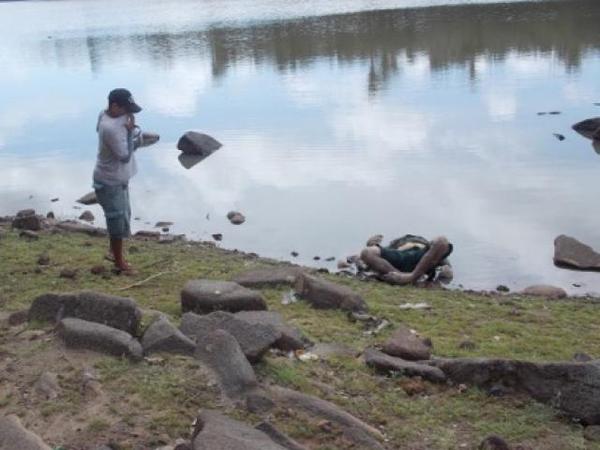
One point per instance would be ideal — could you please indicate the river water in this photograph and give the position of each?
(339, 120)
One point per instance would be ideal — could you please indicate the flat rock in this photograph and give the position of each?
(78, 227)
(26, 219)
(543, 290)
(195, 143)
(162, 336)
(573, 388)
(291, 337)
(215, 431)
(327, 295)
(386, 363)
(116, 312)
(327, 350)
(13, 436)
(361, 434)
(254, 338)
(221, 352)
(88, 199)
(268, 277)
(573, 254)
(205, 296)
(81, 334)
(406, 345)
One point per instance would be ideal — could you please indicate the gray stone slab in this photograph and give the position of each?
(163, 336)
(327, 295)
(206, 296)
(386, 363)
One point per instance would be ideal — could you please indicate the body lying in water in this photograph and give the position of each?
(405, 262)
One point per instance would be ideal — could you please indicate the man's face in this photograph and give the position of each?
(117, 110)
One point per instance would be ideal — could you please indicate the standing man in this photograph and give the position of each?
(115, 166)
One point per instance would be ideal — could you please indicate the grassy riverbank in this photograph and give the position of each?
(138, 406)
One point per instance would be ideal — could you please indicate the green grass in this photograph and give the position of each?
(166, 396)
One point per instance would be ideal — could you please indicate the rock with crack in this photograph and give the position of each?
(163, 336)
(573, 388)
(407, 345)
(81, 334)
(278, 437)
(206, 296)
(361, 434)
(573, 254)
(221, 352)
(254, 338)
(13, 436)
(116, 312)
(291, 337)
(543, 290)
(268, 277)
(215, 431)
(388, 364)
(324, 294)
(78, 227)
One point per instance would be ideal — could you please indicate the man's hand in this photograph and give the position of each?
(130, 123)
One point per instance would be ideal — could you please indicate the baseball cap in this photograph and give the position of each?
(123, 97)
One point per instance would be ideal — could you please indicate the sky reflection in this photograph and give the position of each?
(335, 127)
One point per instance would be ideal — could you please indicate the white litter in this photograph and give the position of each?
(415, 306)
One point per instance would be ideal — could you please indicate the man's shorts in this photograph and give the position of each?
(115, 203)
(403, 260)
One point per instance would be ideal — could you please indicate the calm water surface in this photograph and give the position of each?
(340, 120)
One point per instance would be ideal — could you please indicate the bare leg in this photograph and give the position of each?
(116, 246)
(433, 256)
(372, 257)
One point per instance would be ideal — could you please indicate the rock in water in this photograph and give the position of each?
(236, 218)
(196, 143)
(13, 436)
(570, 253)
(88, 199)
(589, 128)
(217, 432)
(87, 215)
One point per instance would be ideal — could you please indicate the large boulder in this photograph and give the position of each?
(162, 336)
(81, 334)
(195, 143)
(291, 337)
(215, 431)
(407, 345)
(390, 364)
(573, 388)
(13, 436)
(205, 296)
(544, 290)
(254, 338)
(116, 312)
(573, 254)
(221, 352)
(327, 295)
(26, 219)
(268, 277)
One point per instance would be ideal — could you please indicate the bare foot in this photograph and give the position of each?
(398, 278)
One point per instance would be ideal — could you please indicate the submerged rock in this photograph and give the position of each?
(195, 143)
(236, 218)
(88, 199)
